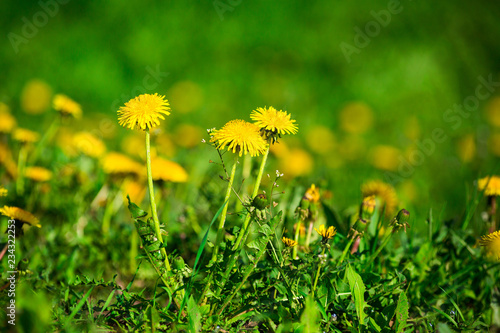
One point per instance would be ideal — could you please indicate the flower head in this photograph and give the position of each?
(288, 242)
(116, 163)
(312, 194)
(240, 137)
(35, 97)
(162, 169)
(25, 136)
(20, 215)
(89, 144)
(490, 185)
(273, 123)
(492, 244)
(326, 233)
(66, 106)
(38, 174)
(7, 121)
(3, 191)
(143, 111)
(384, 192)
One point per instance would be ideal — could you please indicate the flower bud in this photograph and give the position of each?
(260, 202)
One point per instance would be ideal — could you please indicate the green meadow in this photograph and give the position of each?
(249, 166)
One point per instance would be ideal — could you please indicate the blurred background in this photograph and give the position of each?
(404, 92)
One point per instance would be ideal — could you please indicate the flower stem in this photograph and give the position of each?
(298, 225)
(46, 139)
(254, 194)
(154, 213)
(385, 240)
(319, 269)
(220, 230)
(346, 249)
(21, 164)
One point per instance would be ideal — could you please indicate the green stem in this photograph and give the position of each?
(346, 249)
(254, 194)
(221, 230)
(309, 232)
(319, 269)
(385, 240)
(296, 238)
(46, 138)
(21, 163)
(154, 213)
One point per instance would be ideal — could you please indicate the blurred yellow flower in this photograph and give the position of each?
(385, 157)
(188, 96)
(66, 106)
(494, 143)
(7, 121)
(188, 136)
(490, 185)
(356, 118)
(493, 111)
(7, 160)
(466, 148)
(3, 191)
(384, 192)
(312, 194)
(280, 150)
(143, 111)
(116, 163)
(25, 135)
(321, 140)
(162, 169)
(37, 174)
(326, 233)
(492, 244)
(288, 242)
(368, 204)
(89, 144)
(240, 137)
(135, 190)
(165, 145)
(64, 140)
(297, 162)
(412, 128)
(20, 215)
(35, 97)
(274, 123)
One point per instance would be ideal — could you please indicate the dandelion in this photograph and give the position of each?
(7, 160)
(89, 144)
(117, 163)
(241, 137)
(356, 118)
(66, 106)
(326, 233)
(144, 111)
(321, 140)
(20, 215)
(273, 123)
(490, 185)
(296, 163)
(385, 192)
(288, 242)
(25, 136)
(134, 189)
(7, 121)
(38, 174)
(312, 194)
(35, 97)
(3, 191)
(385, 157)
(166, 170)
(492, 244)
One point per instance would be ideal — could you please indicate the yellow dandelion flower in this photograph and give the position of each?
(143, 111)
(297, 162)
(492, 244)
(38, 174)
(385, 192)
(3, 191)
(188, 96)
(240, 137)
(490, 185)
(35, 97)
(288, 242)
(312, 194)
(385, 157)
(7, 121)
(66, 106)
(321, 140)
(20, 215)
(274, 123)
(368, 204)
(356, 118)
(326, 233)
(281, 150)
(7, 160)
(116, 163)
(89, 144)
(25, 136)
(162, 169)
(134, 189)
